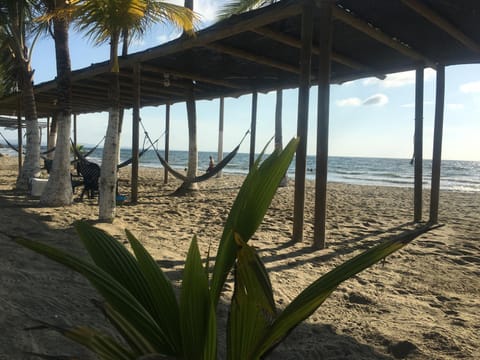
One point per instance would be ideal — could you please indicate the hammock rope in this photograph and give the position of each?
(202, 177)
(130, 160)
(8, 143)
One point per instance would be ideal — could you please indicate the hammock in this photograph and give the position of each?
(16, 149)
(130, 160)
(9, 144)
(83, 156)
(203, 177)
(127, 162)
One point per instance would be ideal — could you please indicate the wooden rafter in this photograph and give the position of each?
(254, 58)
(276, 14)
(442, 23)
(380, 36)
(297, 43)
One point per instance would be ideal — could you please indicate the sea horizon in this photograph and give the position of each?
(457, 175)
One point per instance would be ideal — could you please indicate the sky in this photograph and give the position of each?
(368, 117)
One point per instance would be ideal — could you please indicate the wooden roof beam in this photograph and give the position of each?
(442, 23)
(380, 36)
(203, 37)
(294, 42)
(254, 58)
(190, 76)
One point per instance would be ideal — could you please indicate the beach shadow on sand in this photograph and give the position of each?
(35, 288)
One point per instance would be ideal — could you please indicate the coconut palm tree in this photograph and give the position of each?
(15, 24)
(104, 22)
(58, 191)
(239, 6)
(192, 132)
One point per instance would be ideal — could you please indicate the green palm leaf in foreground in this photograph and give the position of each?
(307, 301)
(141, 303)
(248, 210)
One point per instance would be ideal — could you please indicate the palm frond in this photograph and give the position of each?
(241, 6)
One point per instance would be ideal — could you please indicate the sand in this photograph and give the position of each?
(423, 302)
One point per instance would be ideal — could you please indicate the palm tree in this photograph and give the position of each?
(239, 6)
(15, 24)
(192, 132)
(105, 21)
(58, 191)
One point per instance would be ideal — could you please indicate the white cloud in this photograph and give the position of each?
(164, 37)
(455, 106)
(398, 79)
(353, 101)
(471, 87)
(377, 100)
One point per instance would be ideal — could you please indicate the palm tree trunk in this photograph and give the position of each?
(192, 132)
(58, 191)
(192, 138)
(31, 165)
(108, 178)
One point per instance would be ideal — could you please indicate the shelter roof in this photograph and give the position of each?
(12, 123)
(260, 51)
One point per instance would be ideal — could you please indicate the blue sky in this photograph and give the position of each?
(368, 117)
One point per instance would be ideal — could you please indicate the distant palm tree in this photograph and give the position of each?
(105, 22)
(15, 25)
(58, 191)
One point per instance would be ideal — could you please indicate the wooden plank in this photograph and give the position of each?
(418, 145)
(19, 133)
(135, 132)
(325, 43)
(167, 140)
(302, 123)
(253, 129)
(437, 144)
(443, 24)
(377, 34)
(279, 130)
(221, 119)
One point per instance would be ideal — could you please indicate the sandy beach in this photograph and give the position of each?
(423, 302)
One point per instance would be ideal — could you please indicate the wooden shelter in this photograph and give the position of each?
(294, 44)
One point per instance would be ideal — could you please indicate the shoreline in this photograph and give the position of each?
(336, 178)
(423, 300)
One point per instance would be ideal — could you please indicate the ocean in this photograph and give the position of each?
(455, 175)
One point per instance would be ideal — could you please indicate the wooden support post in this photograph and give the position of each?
(48, 132)
(167, 140)
(325, 44)
(418, 145)
(74, 133)
(302, 122)
(221, 117)
(437, 144)
(19, 135)
(278, 130)
(135, 133)
(253, 129)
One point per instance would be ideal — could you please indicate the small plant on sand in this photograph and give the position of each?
(141, 303)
